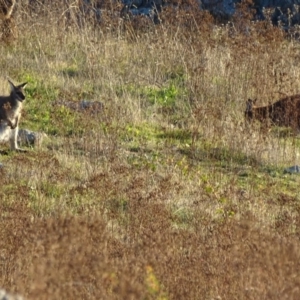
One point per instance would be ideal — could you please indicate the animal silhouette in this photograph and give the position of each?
(284, 112)
(10, 114)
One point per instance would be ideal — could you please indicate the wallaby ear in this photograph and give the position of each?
(251, 102)
(12, 86)
(23, 85)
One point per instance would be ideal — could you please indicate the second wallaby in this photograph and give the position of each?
(11, 105)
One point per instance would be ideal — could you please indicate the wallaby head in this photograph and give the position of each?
(17, 92)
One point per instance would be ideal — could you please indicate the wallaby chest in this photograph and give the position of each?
(11, 106)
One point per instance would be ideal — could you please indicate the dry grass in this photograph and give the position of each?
(166, 194)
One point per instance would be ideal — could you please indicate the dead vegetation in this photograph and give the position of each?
(166, 193)
(8, 28)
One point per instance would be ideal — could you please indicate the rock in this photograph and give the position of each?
(292, 170)
(283, 12)
(82, 106)
(30, 138)
(93, 106)
(5, 296)
(224, 8)
(149, 8)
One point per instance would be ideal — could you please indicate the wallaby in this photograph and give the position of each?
(284, 112)
(10, 113)
(11, 105)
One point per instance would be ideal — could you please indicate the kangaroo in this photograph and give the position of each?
(284, 112)
(10, 113)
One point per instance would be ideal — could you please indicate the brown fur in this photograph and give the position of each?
(284, 112)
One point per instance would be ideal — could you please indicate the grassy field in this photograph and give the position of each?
(166, 193)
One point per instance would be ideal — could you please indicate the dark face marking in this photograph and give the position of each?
(18, 90)
(20, 95)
